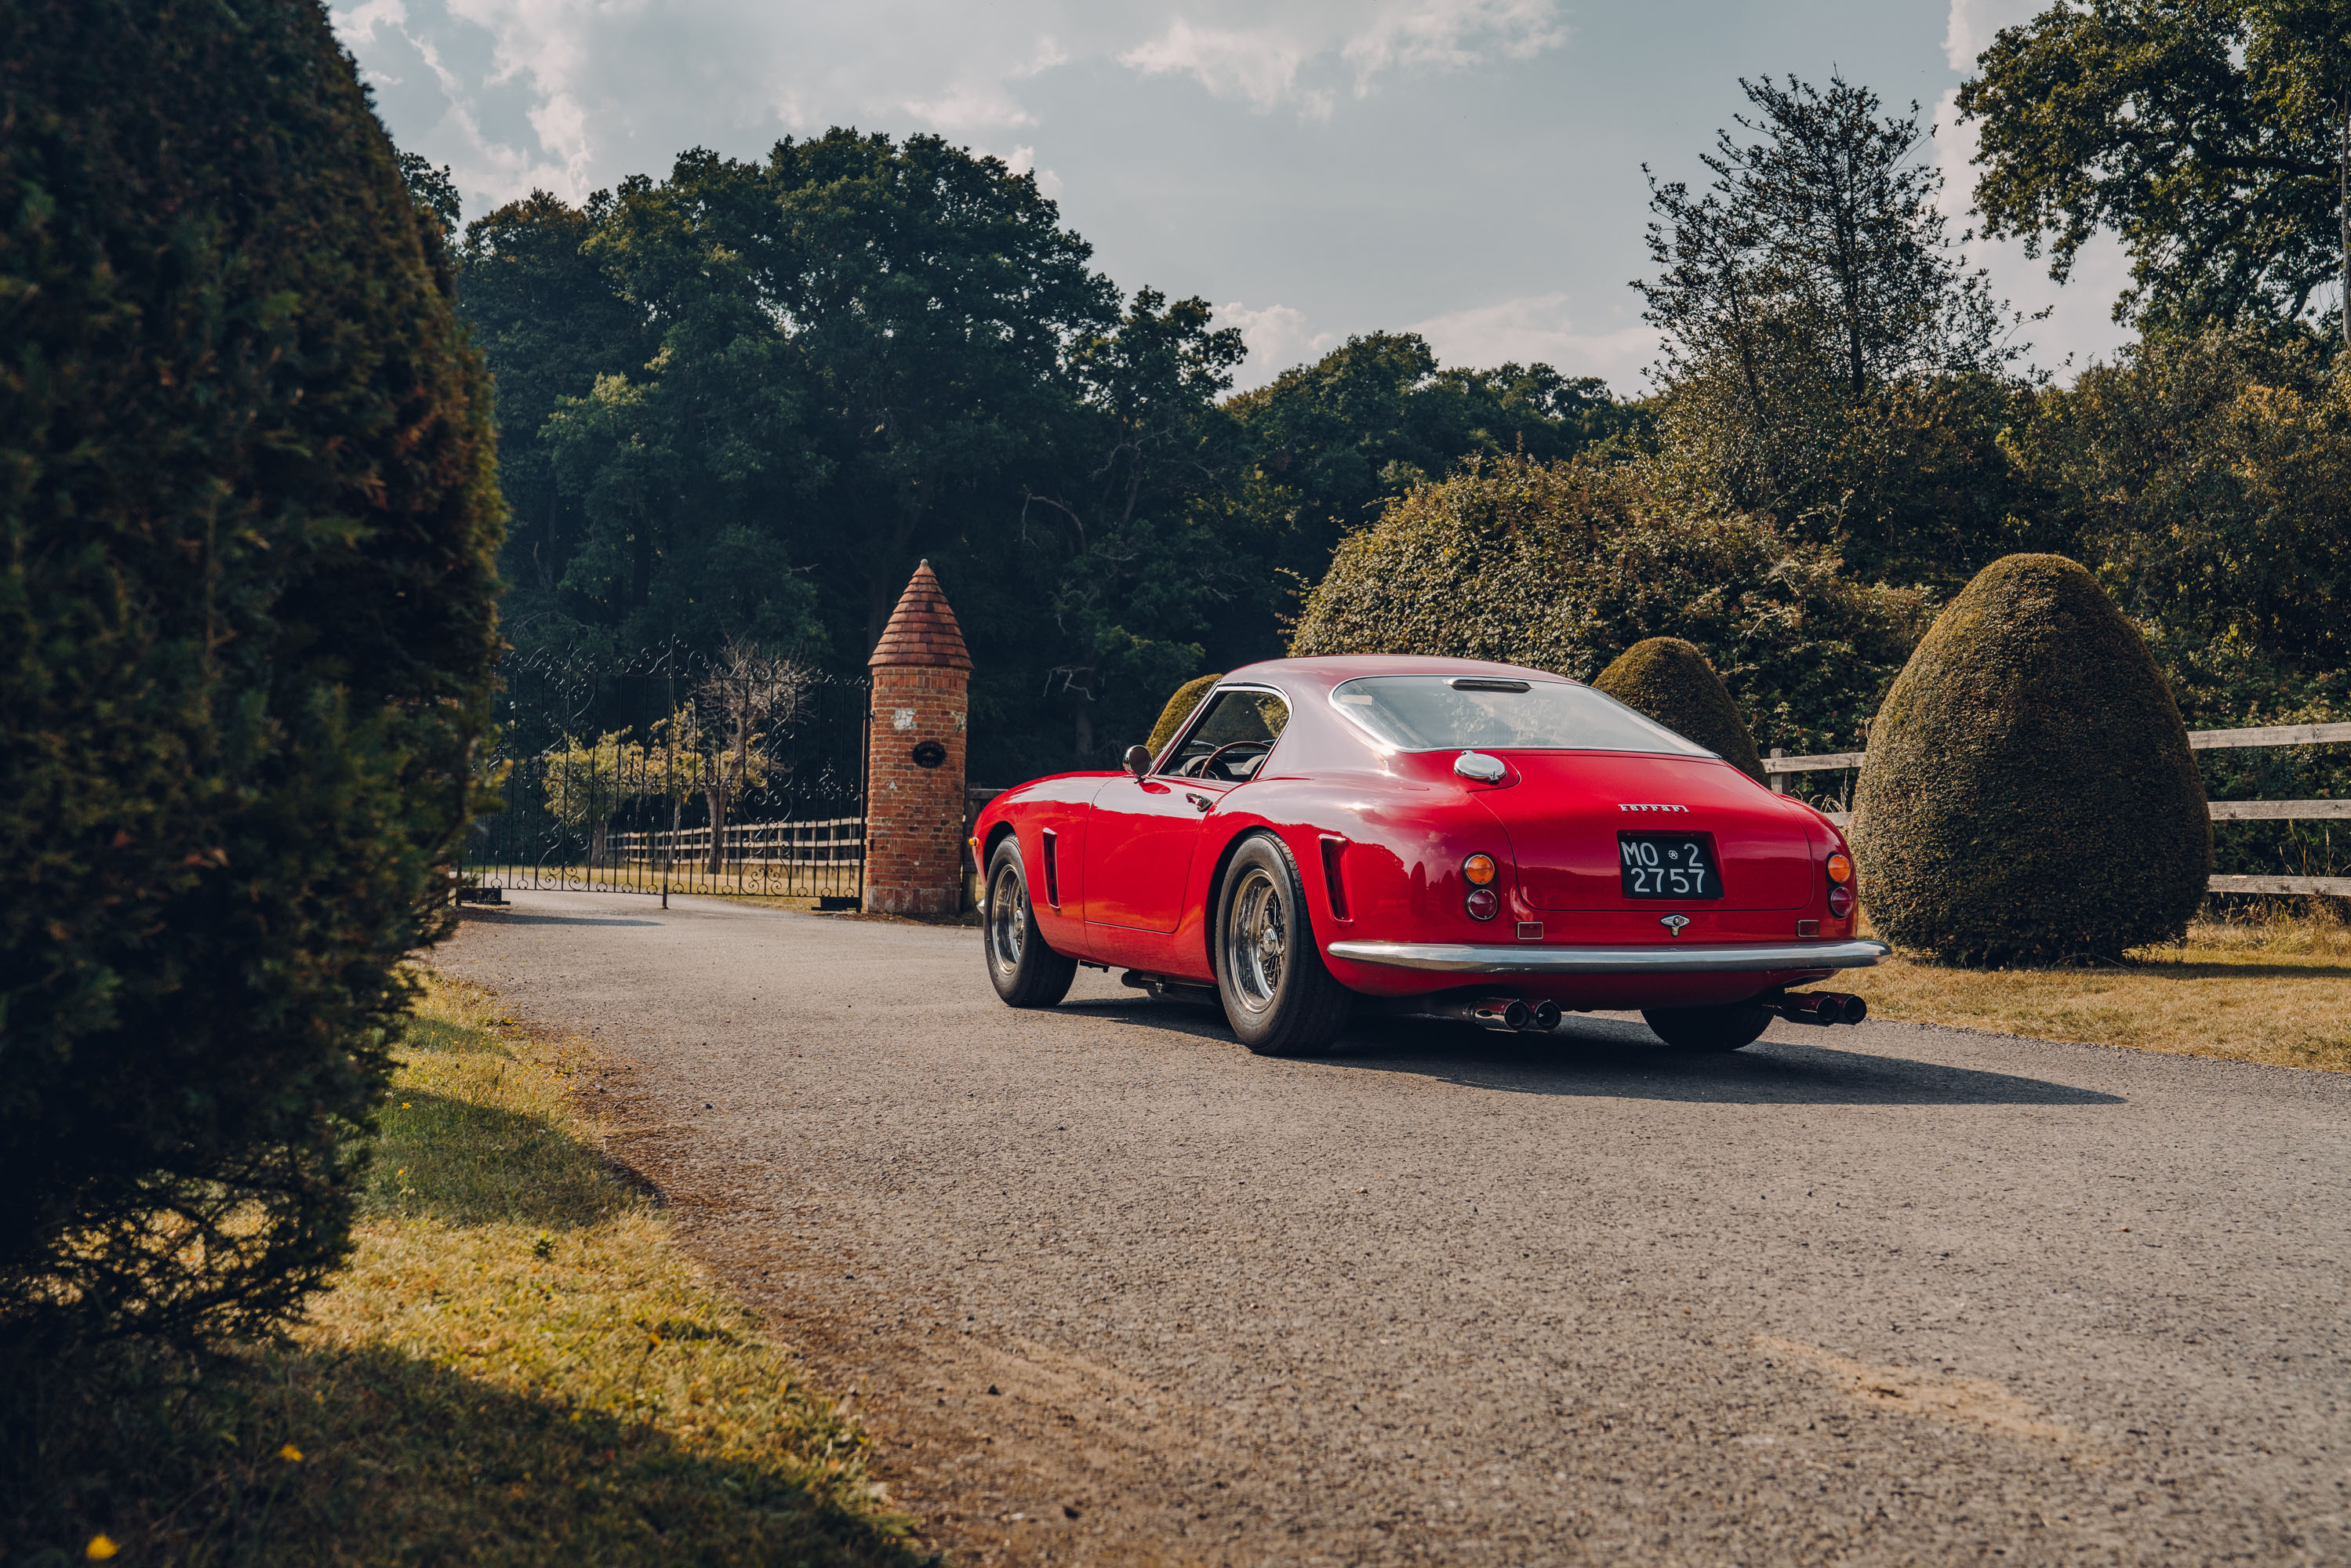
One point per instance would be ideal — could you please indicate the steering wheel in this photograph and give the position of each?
(1198, 768)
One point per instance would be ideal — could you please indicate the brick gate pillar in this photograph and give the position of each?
(914, 766)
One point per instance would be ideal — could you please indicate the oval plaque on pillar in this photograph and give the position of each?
(929, 754)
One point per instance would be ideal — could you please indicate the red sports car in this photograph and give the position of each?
(1439, 835)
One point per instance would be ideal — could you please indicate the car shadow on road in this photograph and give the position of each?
(1605, 1057)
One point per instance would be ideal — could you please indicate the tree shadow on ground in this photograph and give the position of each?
(474, 1165)
(368, 1456)
(1622, 1059)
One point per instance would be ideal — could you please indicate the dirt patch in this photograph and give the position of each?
(1962, 1401)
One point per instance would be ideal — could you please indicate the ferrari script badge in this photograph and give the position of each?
(1673, 923)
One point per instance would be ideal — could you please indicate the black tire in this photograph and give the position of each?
(1025, 971)
(1725, 1027)
(1279, 997)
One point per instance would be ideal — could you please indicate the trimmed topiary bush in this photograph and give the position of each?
(2027, 792)
(1671, 682)
(1558, 566)
(246, 628)
(1179, 708)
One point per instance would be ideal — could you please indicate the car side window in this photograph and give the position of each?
(1232, 739)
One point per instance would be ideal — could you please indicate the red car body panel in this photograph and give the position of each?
(1125, 873)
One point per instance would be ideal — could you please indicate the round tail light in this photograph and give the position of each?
(1483, 904)
(1840, 902)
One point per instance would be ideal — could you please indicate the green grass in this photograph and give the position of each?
(2266, 990)
(518, 1367)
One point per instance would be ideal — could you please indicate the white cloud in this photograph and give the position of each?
(1278, 339)
(1452, 34)
(1973, 22)
(1538, 327)
(1271, 61)
(1257, 66)
(573, 94)
(2080, 326)
(1023, 161)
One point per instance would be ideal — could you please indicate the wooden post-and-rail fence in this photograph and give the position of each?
(1778, 767)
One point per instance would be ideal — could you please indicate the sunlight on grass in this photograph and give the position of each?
(2274, 991)
(518, 1367)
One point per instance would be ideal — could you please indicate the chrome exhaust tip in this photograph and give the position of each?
(1546, 1016)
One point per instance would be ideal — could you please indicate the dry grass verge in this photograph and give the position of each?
(2270, 990)
(518, 1367)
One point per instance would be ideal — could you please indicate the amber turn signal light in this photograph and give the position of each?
(1480, 869)
(1840, 867)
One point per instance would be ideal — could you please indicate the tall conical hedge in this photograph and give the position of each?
(1179, 708)
(2027, 792)
(1670, 681)
(247, 629)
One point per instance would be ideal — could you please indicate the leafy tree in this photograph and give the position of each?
(549, 323)
(2210, 481)
(1821, 333)
(1328, 443)
(2213, 136)
(246, 624)
(1564, 566)
(1146, 570)
(432, 190)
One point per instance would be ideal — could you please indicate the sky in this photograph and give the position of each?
(1470, 170)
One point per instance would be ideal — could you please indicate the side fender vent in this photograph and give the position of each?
(1052, 857)
(1335, 849)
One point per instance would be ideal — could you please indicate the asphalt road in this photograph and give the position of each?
(1110, 1289)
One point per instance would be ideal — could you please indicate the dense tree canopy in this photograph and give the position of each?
(743, 401)
(2213, 136)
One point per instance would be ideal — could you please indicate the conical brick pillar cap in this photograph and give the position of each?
(922, 629)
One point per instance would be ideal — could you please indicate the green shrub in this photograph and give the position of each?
(2029, 793)
(247, 622)
(1179, 708)
(1563, 566)
(1671, 682)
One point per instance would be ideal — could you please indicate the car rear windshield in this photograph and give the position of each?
(1439, 713)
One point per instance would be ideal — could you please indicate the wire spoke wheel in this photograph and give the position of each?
(1257, 939)
(1008, 923)
(1279, 996)
(1021, 966)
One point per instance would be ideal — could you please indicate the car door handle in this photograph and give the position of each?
(1199, 802)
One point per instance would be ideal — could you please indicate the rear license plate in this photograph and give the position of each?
(1669, 865)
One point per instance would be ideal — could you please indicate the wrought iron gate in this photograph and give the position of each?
(613, 776)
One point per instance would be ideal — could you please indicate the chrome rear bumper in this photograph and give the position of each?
(1682, 958)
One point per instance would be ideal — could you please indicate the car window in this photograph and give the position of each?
(1232, 737)
(1439, 713)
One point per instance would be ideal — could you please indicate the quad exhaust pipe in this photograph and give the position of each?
(1502, 1014)
(1821, 1008)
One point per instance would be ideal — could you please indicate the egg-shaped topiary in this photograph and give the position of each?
(2028, 794)
(1179, 708)
(1670, 681)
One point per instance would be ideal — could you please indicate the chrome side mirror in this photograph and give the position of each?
(1138, 761)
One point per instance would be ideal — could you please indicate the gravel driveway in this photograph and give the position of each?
(1111, 1289)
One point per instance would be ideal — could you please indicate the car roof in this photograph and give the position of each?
(1322, 674)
